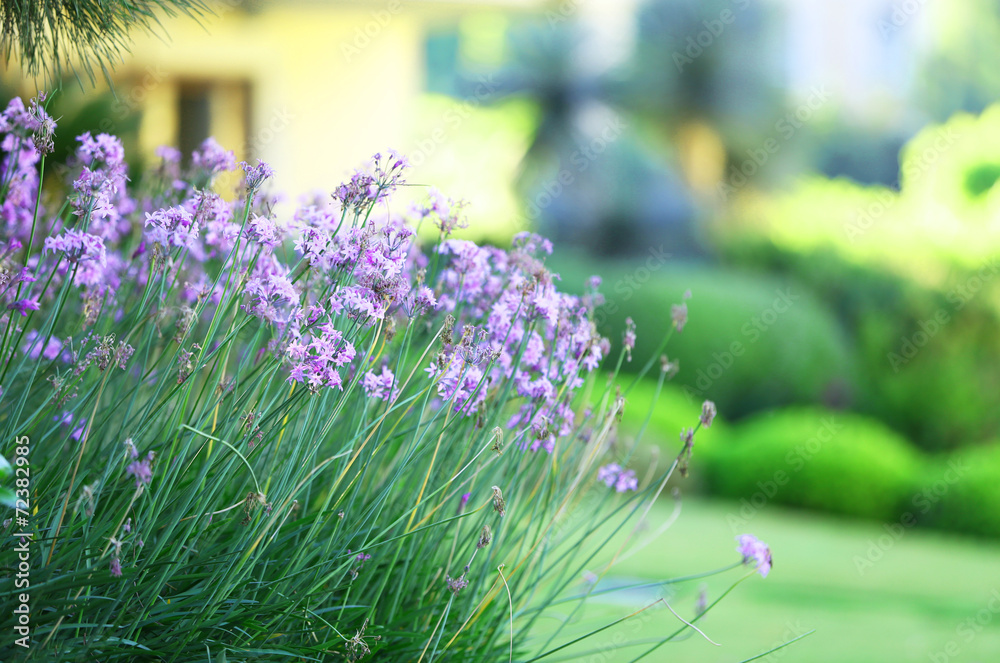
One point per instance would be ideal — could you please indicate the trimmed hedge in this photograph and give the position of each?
(751, 342)
(808, 457)
(961, 492)
(925, 358)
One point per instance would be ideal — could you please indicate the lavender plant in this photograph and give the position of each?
(315, 437)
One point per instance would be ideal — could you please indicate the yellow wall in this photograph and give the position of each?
(323, 98)
(330, 83)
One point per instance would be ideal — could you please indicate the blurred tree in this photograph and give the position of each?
(960, 73)
(620, 152)
(587, 177)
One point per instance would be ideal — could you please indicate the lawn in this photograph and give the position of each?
(927, 596)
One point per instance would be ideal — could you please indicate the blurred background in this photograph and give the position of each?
(822, 176)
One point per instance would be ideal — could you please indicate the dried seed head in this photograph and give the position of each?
(447, 329)
(669, 367)
(684, 457)
(485, 537)
(707, 413)
(455, 585)
(497, 446)
(498, 502)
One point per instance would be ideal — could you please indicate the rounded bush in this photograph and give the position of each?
(833, 461)
(959, 491)
(923, 356)
(751, 342)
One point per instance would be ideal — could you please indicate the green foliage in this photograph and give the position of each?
(7, 497)
(85, 36)
(790, 349)
(959, 491)
(924, 355)
(210, 479)
(819, 459)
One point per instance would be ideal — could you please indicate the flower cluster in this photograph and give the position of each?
(336, 277)
(612, 475)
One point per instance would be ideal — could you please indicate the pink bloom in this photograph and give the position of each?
(755, 551)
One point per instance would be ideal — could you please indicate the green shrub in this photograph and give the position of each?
(751, 342)
(819, 459)
(938, 391)
(959, 492)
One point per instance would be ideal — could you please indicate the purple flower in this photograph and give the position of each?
(78, 431)
(116, 567)
(263, 230)
(256, 174)
(34, 349)
(445, 212)
(78, 246)
(756, 552)
(366, 188)
(626, 481)
(174, 226)
(22, 306)
(463, 502)
(455, 585)
(141, 470)
(380, 386)
(212, 158)
(609, 474)
(169, 154)
(622, 480)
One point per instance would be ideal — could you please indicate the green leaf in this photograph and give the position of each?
(7, 497)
